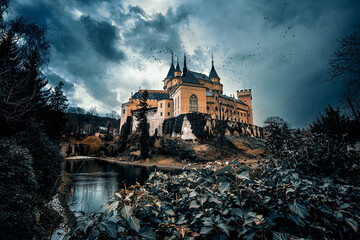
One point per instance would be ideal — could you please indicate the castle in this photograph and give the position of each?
(187, 91)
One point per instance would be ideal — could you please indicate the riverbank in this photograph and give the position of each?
(169, 166)
(162, 162)
(59, 203)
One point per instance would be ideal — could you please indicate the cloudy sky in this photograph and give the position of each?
(104, 50)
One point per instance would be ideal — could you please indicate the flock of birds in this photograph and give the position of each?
(235, 64)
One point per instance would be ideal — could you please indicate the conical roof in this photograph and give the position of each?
(213, 73)
(177, 67)
(171, 71)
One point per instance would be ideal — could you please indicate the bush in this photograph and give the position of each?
(94, 145)
(18, 192)
(46, 155)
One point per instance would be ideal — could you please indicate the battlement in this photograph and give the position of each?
(243, 92)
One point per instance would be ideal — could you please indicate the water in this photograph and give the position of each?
(96, 181)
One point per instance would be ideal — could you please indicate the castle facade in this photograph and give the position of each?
(187, 91)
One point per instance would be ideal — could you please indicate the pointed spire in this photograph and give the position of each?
(213, 73)
(185, 68)
(172, 69)
(177, 66)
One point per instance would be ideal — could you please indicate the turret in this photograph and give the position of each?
(170, 74)
(214, 77)
(246, 97)
(177, 72)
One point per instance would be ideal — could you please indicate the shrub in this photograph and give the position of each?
(18, 192)
(46, 155)
(94, 143)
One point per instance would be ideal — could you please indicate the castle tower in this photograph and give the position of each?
(246, 96)
(177, 72)
(214, 77)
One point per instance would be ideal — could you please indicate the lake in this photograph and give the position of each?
(95, 181)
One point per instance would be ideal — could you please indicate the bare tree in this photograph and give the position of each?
(345, 66)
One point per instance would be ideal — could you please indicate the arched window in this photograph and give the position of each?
(193, 103)
(216, 109)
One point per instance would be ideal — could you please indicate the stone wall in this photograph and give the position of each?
(233, 128)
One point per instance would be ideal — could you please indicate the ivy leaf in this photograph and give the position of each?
(224, 228)
(243, 175)
(223, 170)
(134, 223)
(223, 186)
(110, 228)
(147, 233)
(295, 218)
(126, 212)
(205, 230)
(345, 205)
(215, 200)
(112, 206)
(280, 236)
(299, 209)
(202, 200)
(352, 223)
(170, 212)
(194, 204)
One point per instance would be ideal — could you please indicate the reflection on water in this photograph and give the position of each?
(96, 181)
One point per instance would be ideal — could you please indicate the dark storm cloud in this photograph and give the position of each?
(280, 49)
(81, 48)
(103, 36)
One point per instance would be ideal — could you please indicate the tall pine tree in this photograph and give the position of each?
(142, 127)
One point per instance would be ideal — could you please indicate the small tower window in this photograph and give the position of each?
(216, 109)
(193, 103)
(168, 104)
(161, 114)
(207, 108)
(160, 105)
(168, 113)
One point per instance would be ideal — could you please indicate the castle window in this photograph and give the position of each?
(168, 113)
(193, 103)
(175, 104)
(216, 109)
(207, 108)
(216, 98)
(124, 111)
(178, 103)
(168, 104)
(160, 105)
(160, 113)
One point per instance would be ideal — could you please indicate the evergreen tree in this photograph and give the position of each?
(58, 101)
(142, 127)
(22, 94)
(55, 117)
